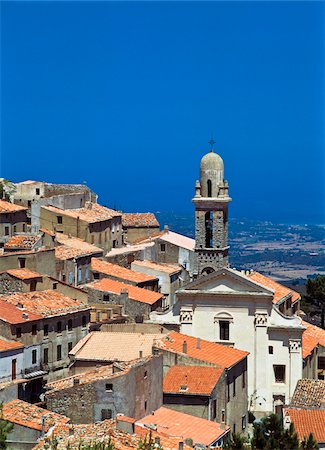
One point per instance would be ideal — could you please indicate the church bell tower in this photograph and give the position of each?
(211, 215)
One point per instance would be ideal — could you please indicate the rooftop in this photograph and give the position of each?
(22, 241)
(44, 303)
(139, 220)
(9, 345)
(30, 416)
(91, 213)
(308, 421)
(129, 249)
(191, 380)
(14, 315)
(7, 207)
(72, 247)
(159, 267)
(110, 346)
(134, 292)
(173, 238)
(315, 332)
(117, 271)
(309, 394)
(178, 424)
(280, 291)
(211, 352)
(23, 274)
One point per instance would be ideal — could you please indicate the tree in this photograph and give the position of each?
(148, 443)
(316, 295)
(309, 443)
(236, 441)
(6, 427)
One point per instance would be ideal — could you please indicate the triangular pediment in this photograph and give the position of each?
(226, 280)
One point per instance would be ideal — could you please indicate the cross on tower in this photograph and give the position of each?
(212, 142)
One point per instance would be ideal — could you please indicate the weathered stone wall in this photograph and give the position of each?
(133, 234)
(42, 261)
(10, 284)
(22, 438)
(237, 406)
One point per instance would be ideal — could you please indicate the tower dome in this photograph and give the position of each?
(211, 174)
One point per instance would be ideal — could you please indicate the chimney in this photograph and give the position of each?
(25, 315)
(166, 228)
(43, 426)
(181, 446)
(157, 440)
(20, 305)
(184, 347)
(189, 442)
(140, 353)
(198, 343)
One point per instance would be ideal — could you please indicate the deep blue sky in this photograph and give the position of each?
(125, 97)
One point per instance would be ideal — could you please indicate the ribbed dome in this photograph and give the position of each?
(211, 161)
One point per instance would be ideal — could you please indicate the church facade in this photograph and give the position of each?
(230, 307)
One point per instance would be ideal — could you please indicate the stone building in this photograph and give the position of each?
(309, 394)
(313, 346)
(137, 302)
(92, 223)
(30, 423)
(139, 225)
(231, 403)
(13, 219)
(306, 421)
(125, 256)
(170, 276)
(103, 269)
(133, 389)
(21, 242)
(52, 322)
(211, 216)
(41, 260)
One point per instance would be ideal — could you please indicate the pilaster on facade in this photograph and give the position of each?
(261, 319)
(186, 316)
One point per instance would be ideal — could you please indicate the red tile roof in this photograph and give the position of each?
(309, 394)
(280, 291)
(23, 241)
(7, 207)
(9, 345)
(23, 274)
(134, 292)
(91, 213)
(13, 315)
(171, 269)
(309, 343)
(45, 303)
(30, 416)
(178, 424)
(139, 220)
(308, 421)
(72, 247)
(119, 272)
(211, 352)
(315, 332)
(191, 379)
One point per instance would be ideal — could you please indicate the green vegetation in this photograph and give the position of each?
(148, 444)
(5, 428)
(315, 298)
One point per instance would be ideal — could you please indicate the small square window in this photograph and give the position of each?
(163, 248)
(59, 219)
(106, 298)
(96, 276)
(22, 263)
(18, 332)
(37, 191)
(106, 414)
(109, 387)
(55, 286)
(6, 231)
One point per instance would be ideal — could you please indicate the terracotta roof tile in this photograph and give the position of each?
(280, 291)
(211, 352)
(7, 207)
(309, 394)
(72, 247)
(191, 379)
(23, 274)
(309, 343)
(175, 423)
(106, 346)
(308, 421)
(23, 241)
(119, 272)
(315, 332)
(159, 267)
(13, 315)
(139, 220)
(91, 213)
(45, 303)
(30, 416)
(134, 292)
(9, 345)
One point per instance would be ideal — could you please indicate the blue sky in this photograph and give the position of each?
(125, 96)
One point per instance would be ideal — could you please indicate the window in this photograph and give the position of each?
(162, 247)
(37, 191)
(244, 379)
(223, 415)
(34, 330)
(270, 349)
(100, 238)
(209, 188)
(234, 428)
(15, 228)
(96, 276)
(84, 321)
(32, 286)
(106, 298)
(59, 352)
(70, 325)
(208, 229)
(145, 405)
(22, 263)
(18, 332)
(24, 227)
(145, 374)
(69, 347)
(59, 327)
(214, 409)
(234, 387)
(243, 422)
(59, 219)
(79, 275)
(224, 330)
(279, 373)
(13, 369)
(70, 277)
(46, 330)
(228, 392)
(106, 414)
(109, 387)
(29, 203)
(46, 356)
(34, 355)
(130, 259)
(114, 244)
(92, 238)
(55, 286)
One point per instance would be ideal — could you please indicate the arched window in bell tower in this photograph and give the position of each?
(209, 188)
(208, 230)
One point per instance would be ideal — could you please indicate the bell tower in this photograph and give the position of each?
(211, 215)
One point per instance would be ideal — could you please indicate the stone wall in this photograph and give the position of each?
(42, 261)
